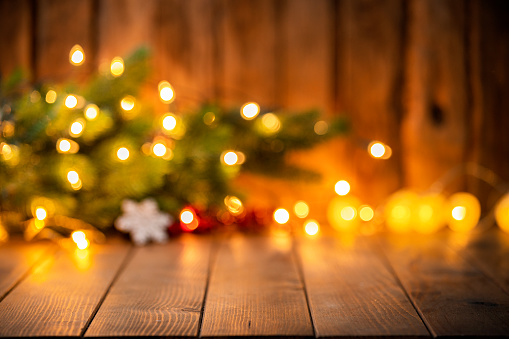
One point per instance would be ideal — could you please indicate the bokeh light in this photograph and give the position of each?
(250, 110)
(311, 227)
(281, 216)
(77, 55)
(342, 187)
(117, 66)
(301, 209)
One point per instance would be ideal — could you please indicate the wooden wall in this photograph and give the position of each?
(428, 77)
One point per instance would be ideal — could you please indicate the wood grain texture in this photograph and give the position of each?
(15, 35)
(160, 293)
(255, 290)
(352, 293)
(60, 26)
(17, 258)
(489, 251)
(435, 125)
(369, 80)
(453, 297)
(59, 297)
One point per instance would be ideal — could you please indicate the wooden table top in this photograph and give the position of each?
(244, 285)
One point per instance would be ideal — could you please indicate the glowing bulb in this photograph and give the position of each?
(458, 213)
(230, 158)
(366, 213)
(127, 103)
(465, 211)
(321, 127)
(71, 101)
(40, 213)
(82, 244)
(73, 177)
(186, 217)
(122, 153)
(502, 213)
(169, 122)
(78, 236)
(348, 213)
(400, 211)
(234, 205)
(51, 96)
(76, 55)
(159, 149)
(250, 110)
(377, 150)
(281, 216)
(342, 187)
(166, 92)
(77, 128)
(117, 66)
(64, 145)
(301, 209)
(311, 227)
(271, 122)
(91, 112)
(7, 151)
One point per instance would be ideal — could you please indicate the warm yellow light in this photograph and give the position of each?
(377, 150)
(311, 227)
(71, 101)
(250, 110)
(91, 111)
(348, 213)
(321, 127)
(64, 145)
(117, 66)
(271, 122)
(502, 213)
(78, 236)
(341, 213)
(342, 187)
(209, 118)
(429, 214)
(77, 186)
(40, 213)
(301, 209)
(186, 216)
(400, 211)
(458, 213)
(234, 205)
(230, 158)
(366, 213)
(127, 103)
(51, 96)
(169, 122)
(73, 177)
(281, 216)
(77, 127)
(76, 55)
(159, 149)
(122, 153)
(465, 212)
(166, 92)
(82, 244)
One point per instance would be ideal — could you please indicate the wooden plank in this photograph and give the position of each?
(15, 36)
(60, 296)
(247, 43)
(434, 129)
(17, 258)
(61, 25)
(488, 250)
(184, 50)
(352, 293)
(160, 292)
(369, 80)
(255, 290)
(453, 297)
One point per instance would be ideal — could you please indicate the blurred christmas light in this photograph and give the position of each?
(117, 66)
(169, 122)
(78, 236)
(71, 101)
(348, 213)
(230, 158)
(127, 103)
(311, 227)
(82, 244)
(40, 213)
(73, 177)
(301, 209)
(51, 96)
(502, 213)
(342, 187)
(429, 216)
(342, 212)
(250, 110)
(67, 146)
(188, 219)
(465, 212)
(7, 152)
(77, 127)
(398, 211)
(7, 128)
(321, 127)
(271, 123)
(77, 55)
(159, 149)
(379, 150)
(209, 118)
(281, 216)
(122, 153)
(366, 213)
(234, 205)
(166, 92)
(91, 111)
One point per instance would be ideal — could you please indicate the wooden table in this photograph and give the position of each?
(245, 285)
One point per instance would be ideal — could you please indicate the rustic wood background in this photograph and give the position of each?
(428, 77)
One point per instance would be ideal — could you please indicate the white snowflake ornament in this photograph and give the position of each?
(143, 221)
